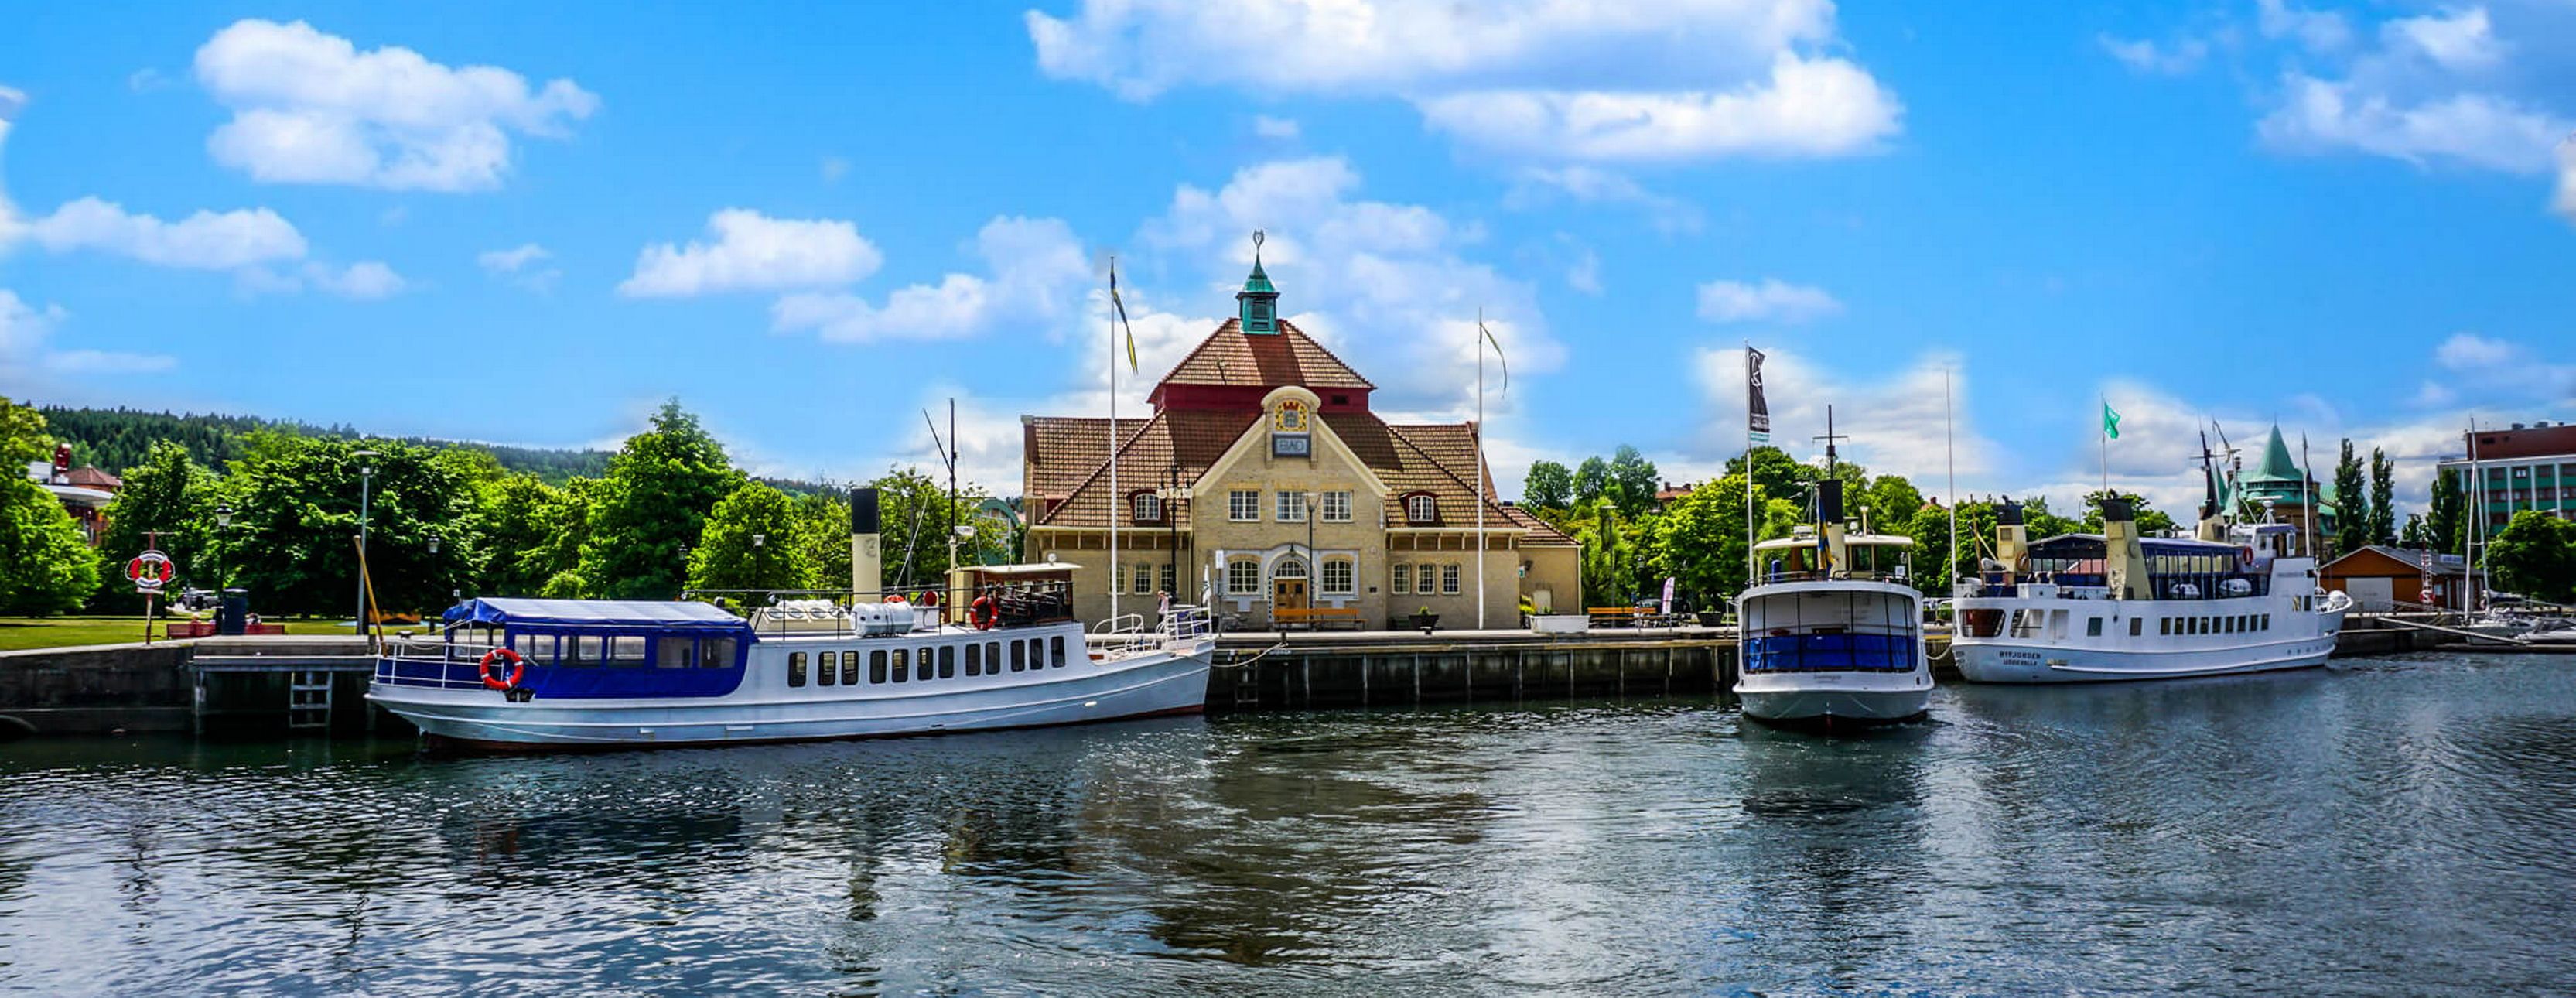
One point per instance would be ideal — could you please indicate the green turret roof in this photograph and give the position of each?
(2276, 466)
(1258, 283)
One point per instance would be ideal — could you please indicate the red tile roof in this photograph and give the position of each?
(89, 477)
(1231, 356)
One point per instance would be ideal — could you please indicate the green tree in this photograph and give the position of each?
(168, 495)
(2351, 504)
(1591, 480)
(2152, 522)
(1892, 501)
(654, 500)
(2413, 535)
(915, 518)
(293, 542)
(1549, 486)
(2448, 519)
(749, 542)
(2383, 498)
(1775, 473)
(520, 515)
(1633, 481)
(46, 566)
(2535, 555)
(1699, 541)
(22, 437)
(561, 554)
(1930, 529)
(822, 538)
(1608, 576)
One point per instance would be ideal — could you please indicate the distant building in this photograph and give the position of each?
(2278, 485)
(2524, 467)
(2382, 578)
(1670, 492)
(1262, 479)
(84, 491)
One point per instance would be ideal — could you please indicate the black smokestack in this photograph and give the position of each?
(1829, 501)
(2010, 515)
(863, 510)
(2115, 509)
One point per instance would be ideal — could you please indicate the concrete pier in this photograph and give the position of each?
(1271, 671)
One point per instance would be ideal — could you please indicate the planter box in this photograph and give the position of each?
(1560, 623)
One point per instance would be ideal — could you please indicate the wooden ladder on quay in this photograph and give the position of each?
(308, 700)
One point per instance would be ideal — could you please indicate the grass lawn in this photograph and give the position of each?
(18, 633)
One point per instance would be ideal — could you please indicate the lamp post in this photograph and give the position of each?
(223, 522)
(758, 541)
(366, 481)
(1314, 571)
(433, 557)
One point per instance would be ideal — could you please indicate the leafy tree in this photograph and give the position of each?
(1892, 501)
(1608, 578)
(1591, 480)
(2447, 522)
(23, 437)
(293, 542)
(2351, 505)
(169, 495)
(2383, 497)
(1699, 541)
(822, 539)
(915, 517)
(1775, 473)
(654, 501)
(520, 518)
(749, 542)
(46, 566)
(1930, 529)
(1633, 481)
(1549, 486)
(2535, 555)
(2413, 535)
(561, 555)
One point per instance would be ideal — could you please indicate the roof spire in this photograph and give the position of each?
(1258, 302)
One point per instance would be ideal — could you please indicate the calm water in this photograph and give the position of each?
(2396, 827)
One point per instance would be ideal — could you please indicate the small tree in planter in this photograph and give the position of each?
(1425, 619)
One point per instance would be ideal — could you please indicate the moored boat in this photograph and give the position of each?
(1833, 631)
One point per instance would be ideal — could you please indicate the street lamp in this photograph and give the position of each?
(223, 520)
(1314, 572)
(366, 480)
(757, 542)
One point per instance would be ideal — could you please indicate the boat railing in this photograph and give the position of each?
(1777, 576)
(438, 664)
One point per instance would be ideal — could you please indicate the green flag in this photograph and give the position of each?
(2110, 422)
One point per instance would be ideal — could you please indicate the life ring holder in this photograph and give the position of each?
(518, 668)
(983, 613)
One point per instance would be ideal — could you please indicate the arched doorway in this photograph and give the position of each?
(1289, 588)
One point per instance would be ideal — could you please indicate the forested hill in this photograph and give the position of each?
(115, 439)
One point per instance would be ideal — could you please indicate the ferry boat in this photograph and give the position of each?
(2114, 606)
(1833, 631)
(544, 673)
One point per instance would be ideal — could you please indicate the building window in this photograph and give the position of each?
(1144, 578)
(1289, 568)
(1449, 579)
(1243, 576)
(827, 668)
(1337, 506)
(1243, 506)
(796, 668)
(1337, 575)
(1168, 571)
(1403, 580)
(1292, 507)
(1421, 508)
(1149, 507)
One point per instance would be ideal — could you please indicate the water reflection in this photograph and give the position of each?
(2230, 835)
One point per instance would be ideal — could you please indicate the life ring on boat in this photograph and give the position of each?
(928, 597)
(896, 598)
(518, 668)
(983, 613)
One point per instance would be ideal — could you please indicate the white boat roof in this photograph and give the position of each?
(1806, 541)
(1040, 568)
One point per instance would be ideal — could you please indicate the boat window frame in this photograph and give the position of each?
(827, 668)
(795, 668)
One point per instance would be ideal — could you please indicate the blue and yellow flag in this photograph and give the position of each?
(1119, 307)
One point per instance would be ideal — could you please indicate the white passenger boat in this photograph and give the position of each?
(2114, 606)
(535, 673)
(1833, 632)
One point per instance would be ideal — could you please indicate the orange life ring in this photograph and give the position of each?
(896, 598)
(983, 613)
(518, 668)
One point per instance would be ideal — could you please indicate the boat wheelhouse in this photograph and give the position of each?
(2114, 606)
(800, 666)
(1833, 631)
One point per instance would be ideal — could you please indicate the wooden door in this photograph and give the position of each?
(1288, 594)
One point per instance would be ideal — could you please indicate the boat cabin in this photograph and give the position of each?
(2176, 568)
(581, 648)
(1804, 556)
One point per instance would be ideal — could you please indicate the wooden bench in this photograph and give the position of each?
(1315, 617)
(1612, 616)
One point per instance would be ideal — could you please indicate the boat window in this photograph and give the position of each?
(992, 657)
(2137, 626)
(902, 665)
(877, 666)
(796, 668)
(626, 651)
(1983, 623)
(2093, 627)
(974, 660)
(1055, 651)
(538, 649)
(1037, 654)
(581, 650)
(715, 653)
(927, 667)
(948, 661)
(1019, 657)
(849, 668)
(827, 668)
(671, 652)
(2267, 621)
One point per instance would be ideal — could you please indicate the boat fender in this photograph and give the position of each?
(983, 613)
(928, 597)
(518, 668)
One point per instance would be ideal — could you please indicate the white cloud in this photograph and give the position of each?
(1535, 186)
(2316, 30)
(2565, 199)
(512, 260)
(754, 252)
(2145, 56)
(24, 334)
(309, 107)
(107, 362)
(834, 168)
(1585, 274)
(1284, 129)
(2474, 129)
(1648, 80)
(2456, 40)
(1036, 272)
(1770, 301)
(368, 280)
(1895, 419)
(205, 240)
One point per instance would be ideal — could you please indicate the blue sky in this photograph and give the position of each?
(530, 226)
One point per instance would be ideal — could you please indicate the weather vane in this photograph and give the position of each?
(1257, 238)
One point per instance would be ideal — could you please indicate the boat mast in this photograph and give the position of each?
(1950, 457)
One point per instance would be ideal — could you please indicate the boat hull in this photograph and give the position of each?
(2006, 663)
(1146, 686)
(1833, 653)
(1827, 708)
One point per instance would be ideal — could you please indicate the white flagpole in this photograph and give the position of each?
(1950, 456)
(1749, 526)
(2105, 433)
(1114, 498)
(1480, 469)
(2307, 503)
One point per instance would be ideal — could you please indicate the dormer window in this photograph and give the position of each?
(1421, 508)
(1148, 507)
